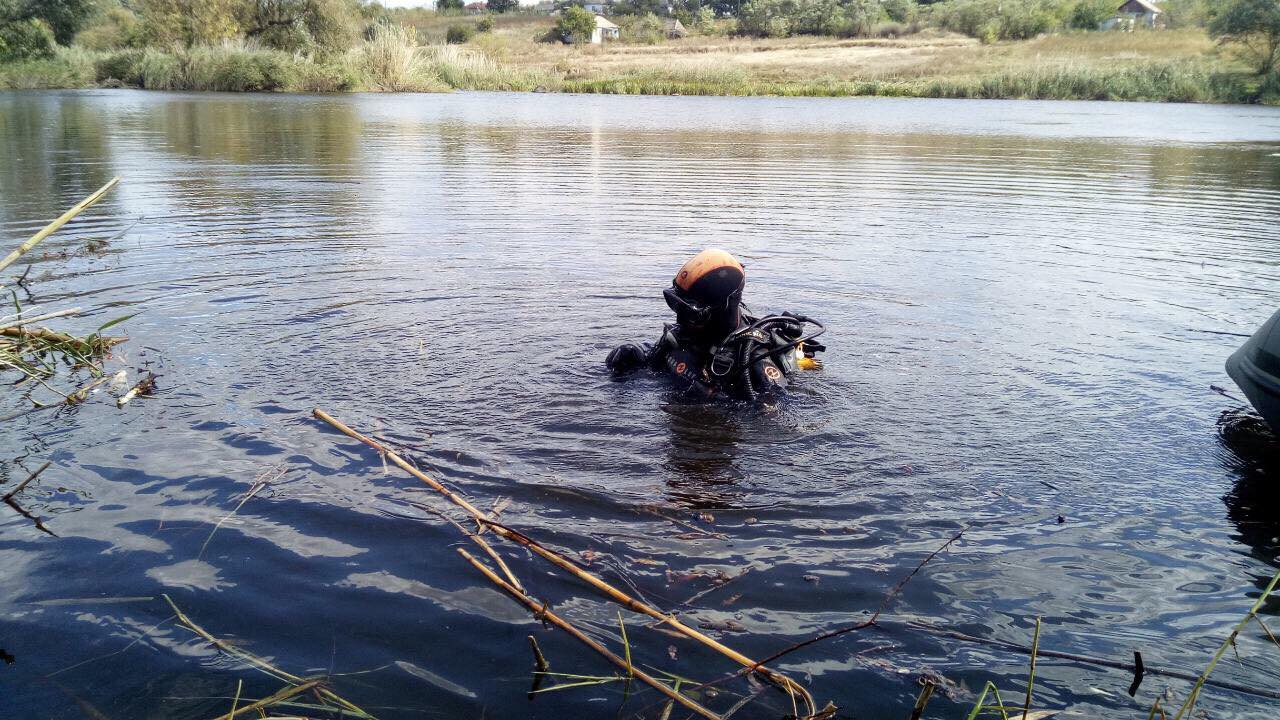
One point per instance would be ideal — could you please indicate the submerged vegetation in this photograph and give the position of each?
(1048, 49)
(33, 354)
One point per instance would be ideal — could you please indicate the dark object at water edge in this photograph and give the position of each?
(1256, 369)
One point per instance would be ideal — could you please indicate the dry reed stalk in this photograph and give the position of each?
(38, 318)
(787, 684)
(95, 343)
(75, 398)
(53, 226)
(256, 661)
(282, 694)
(542, 612)
(9, 495)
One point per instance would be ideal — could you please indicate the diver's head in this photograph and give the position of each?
(706, 294)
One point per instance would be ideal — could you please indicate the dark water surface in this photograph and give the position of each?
(1017, 293)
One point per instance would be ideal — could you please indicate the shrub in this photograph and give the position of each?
(459, 34)
(1269, 90)
(391, 60)
(341, 74)
(161, 71)
(704, 21)
(485, 25)
(232, 68)
(899, 11)
(991, 20)
(67, 68)
(124, 66)
(647, 29)
(26, 39)
(1090, 14)
(1252, 25)
(117, 28)
(575, 25)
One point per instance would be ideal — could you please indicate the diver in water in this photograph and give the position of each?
(716, 347)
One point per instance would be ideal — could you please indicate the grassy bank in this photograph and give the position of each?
(1174, 66)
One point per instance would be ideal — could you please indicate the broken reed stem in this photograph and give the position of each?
(475, 537)
(282, 694)
(256, 661)
(540, 663)
(546, 614)
(786, 683)
(235, 701)
(925, 693)
(93, 343)
(37, 318)
(9, 495)
(74, 398)
(1031, 678)
(53, 226)
(1190, 702)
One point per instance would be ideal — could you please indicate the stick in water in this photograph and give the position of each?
(545, 614)
(786, 683)
(49, 229)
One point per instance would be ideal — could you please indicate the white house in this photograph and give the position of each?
(605, 30)
(1135, 13)
(597, 8)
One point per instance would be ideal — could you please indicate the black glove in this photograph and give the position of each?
(626, 358)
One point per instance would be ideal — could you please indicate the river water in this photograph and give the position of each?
(1026, 305)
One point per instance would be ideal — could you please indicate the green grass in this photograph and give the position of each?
(1177, 81)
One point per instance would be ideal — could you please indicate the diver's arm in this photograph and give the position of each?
(628, 358)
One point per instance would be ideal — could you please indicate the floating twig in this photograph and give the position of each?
(63, 219)
(37, 318)
(265, 478)
(549, 616)
(282, 694)
(26, 482)
(884, 604)
(75, 398)
(143, 387)
(786, 683)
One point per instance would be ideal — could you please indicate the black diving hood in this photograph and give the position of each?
(1256, 369)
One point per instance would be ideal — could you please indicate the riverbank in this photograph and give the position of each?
(1169, 66)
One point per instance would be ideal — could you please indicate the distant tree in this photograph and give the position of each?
(25, 39)
(64, 17)
(503, 6)
(459, 34)
(899, 10)
(639, 7)
(1090, 14)
(1253, 26)
(576, 25)
(447, 5)
(25, 24)
(301, 25)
